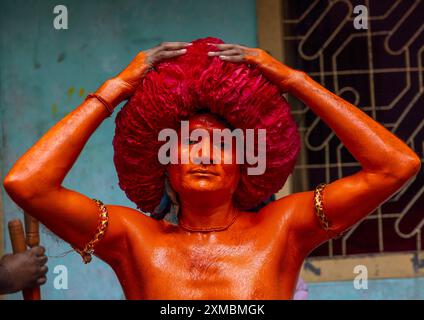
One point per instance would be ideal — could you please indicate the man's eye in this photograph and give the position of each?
(223, 145)
(192, 142)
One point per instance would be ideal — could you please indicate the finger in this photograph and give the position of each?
(43, 270)
(224, 46)
(231, 52)
(42, 260)
(175, 45)
(239, 58)
(41, 281)
(170, 54)
(38, 250)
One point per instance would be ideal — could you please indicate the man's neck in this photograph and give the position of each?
(208, 215)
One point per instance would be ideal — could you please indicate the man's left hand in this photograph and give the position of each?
(276, 71)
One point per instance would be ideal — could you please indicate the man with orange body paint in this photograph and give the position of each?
(216, 251)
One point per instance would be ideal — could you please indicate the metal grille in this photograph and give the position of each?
(380, 70)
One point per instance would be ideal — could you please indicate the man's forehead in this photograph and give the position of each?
(206, 121)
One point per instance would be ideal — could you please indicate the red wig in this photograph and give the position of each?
(178, 88)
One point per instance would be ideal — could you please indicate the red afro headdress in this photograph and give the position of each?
(178, 88)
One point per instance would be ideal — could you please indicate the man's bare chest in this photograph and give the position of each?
(241, 266)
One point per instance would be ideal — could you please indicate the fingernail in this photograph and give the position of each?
(190, 44)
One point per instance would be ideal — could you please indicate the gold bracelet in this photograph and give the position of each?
(319, 210)
(88, 250)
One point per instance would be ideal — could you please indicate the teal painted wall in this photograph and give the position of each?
(45, 73)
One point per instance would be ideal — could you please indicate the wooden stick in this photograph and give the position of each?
(31, 231)
(17, 237)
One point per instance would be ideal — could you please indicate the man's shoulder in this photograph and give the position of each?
(277, 205)
(130, 217)
(284, 208)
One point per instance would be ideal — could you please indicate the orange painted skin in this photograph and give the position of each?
(260, 255)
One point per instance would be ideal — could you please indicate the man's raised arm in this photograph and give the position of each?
(387, 162)
(35, 180)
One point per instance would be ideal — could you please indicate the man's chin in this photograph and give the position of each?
(202, 188)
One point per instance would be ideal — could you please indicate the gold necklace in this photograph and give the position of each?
(193, 229)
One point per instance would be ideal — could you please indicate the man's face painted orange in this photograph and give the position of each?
(199, 180)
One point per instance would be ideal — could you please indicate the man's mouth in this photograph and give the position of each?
(202, 172)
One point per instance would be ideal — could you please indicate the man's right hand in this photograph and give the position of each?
(23, 270)
(132, 75)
